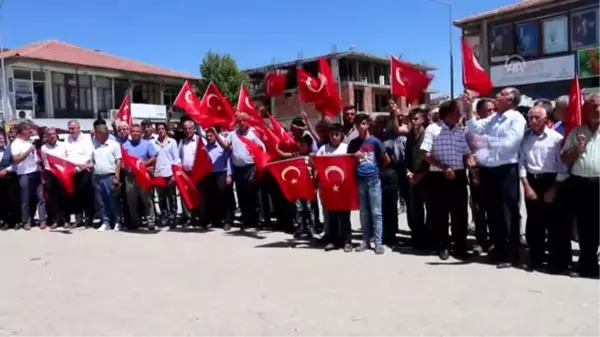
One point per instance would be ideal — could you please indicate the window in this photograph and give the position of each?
(584, 28)
(555, 35)
(147, 93)
(501, 40)
(170, 94)
(39, 76)
(380, 102)
(363, 72)
(121, 88)
(359, 99)
(85, 93)
(72, 96)
(103, 94)
(20, 74)
(528, 39)
(59, 93)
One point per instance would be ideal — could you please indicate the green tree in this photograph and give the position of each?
(223, 70)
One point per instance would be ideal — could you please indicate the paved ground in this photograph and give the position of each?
(173, 283)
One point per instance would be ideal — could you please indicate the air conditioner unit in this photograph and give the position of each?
(24, 114)
(113, 113)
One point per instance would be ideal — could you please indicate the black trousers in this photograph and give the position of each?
(420, 227)
(264, 203)
(247, 193)
(389, 204)
(5, 200)
(586, 212)
(478, 210)
(14, 198)
(501, 187)
(339, 231)
(83, 200)
(284, 211)
(539, 216)
(214, 187)
(55, 205)
(449, 199)
(560, 228)
(167, 201)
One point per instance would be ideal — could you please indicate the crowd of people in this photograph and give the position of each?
(426, 159)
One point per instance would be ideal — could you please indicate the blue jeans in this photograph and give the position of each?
(369, 196)
(110, 210)
(32, 190)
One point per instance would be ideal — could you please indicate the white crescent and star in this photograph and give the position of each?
(476, 63)
(188, 97)
(247, 101)
(322, 83)
(399, 76)
(286, 170)
(334, 168)
(208, 98)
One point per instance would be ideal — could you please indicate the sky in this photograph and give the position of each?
(176, 34)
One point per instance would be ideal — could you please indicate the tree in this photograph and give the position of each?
(223, 70)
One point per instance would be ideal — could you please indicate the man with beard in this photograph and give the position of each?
(348, 127)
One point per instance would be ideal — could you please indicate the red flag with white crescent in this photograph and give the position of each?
(407, 80)
(337, 182)
(475, 78)
(187, 188)
(245, 104)
(293, 178)
(202, 162)
(260, 157)
(216, 106)
(140, 171)
(124, 113)
(312, 89)
(64, 171)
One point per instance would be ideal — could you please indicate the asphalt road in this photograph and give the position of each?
(214, 283)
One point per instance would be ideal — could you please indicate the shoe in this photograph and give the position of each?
(379, 250)
(26, 226)
(298, 234)
(330, 247)
(361, 248)
(54, 226)
(444, 255)
(478, 250)
(226, 227)
(117, 227)
(67, 226)
(503, 265)
(18, 226)
(4, 227)
(461, 253)
(348, 248)
(575, 274)
(43, 226)
(103, 227)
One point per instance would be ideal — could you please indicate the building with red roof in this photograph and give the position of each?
(537, 45)
(53, 80)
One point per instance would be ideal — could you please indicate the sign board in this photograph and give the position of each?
(588, 62)
(151, 111)
(517, 71)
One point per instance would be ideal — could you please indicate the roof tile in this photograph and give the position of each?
(58, 51)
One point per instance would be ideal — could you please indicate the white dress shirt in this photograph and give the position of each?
(541, 154)
(29, 164)
(187, 152)
(79, 151)
(59, 150)
(449, 146)
(501, 134)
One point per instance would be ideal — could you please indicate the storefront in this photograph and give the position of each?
(542, 78)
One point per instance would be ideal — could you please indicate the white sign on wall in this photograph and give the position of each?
(151, 111)
(535, 71)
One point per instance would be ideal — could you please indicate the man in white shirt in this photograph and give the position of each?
(78, 147)
(541, 172)
(497, 139)
(56, 205)
(30, 181)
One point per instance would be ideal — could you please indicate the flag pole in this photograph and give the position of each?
(298, 66)
(272, 98)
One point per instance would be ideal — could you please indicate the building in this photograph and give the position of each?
(51, 82)
(537, 45)
(364, 82)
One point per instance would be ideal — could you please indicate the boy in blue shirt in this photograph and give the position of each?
(370, 157)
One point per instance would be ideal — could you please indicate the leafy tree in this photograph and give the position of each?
(223, 70)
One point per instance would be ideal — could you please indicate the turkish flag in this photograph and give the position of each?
(293, 178)
(275, 83)
(337, 182)
(407, 80)
(217, 106)
(283, 135)
(332, 105)
(475, 78)
(139, 170)
(202, 162)
(312, 89)
(124, 113)
(260, 157)
(64, 171)
(245, 104)
(187, 188)
(573, 117)
(269, 138)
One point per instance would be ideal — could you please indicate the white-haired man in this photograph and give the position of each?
(541, 173)
(79, 149)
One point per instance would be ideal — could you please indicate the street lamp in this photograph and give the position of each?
(4, 86)
(449, 5)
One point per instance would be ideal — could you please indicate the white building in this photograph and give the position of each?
(51, 82)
